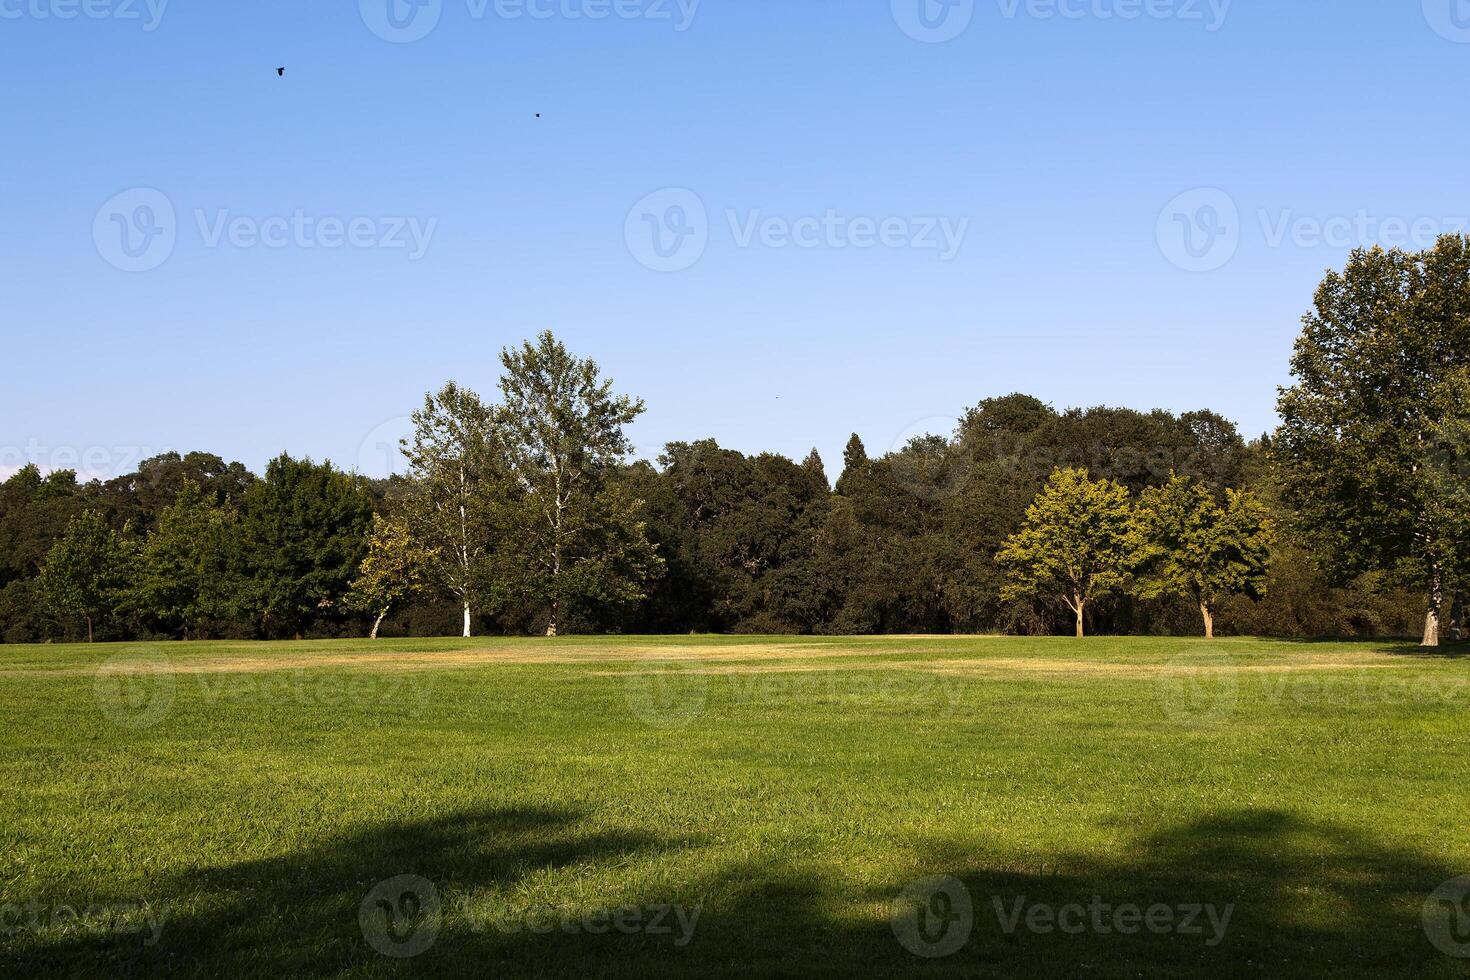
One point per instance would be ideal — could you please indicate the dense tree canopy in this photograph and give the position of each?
(525, 514)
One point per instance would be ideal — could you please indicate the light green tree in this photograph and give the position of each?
(395, 569)
(1077, 543)
(1193, 547)
(86, 572)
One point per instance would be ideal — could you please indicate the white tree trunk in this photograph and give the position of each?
(1431, 617)
(378, 622)
(466, 619)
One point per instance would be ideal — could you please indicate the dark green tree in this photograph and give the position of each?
(1364, 418)
(188, 574)
(304, 528)
(87, 572)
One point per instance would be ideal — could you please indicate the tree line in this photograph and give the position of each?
(525, 514)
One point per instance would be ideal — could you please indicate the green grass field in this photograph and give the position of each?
(633, 807)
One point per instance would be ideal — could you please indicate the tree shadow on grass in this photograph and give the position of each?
(1290, 897)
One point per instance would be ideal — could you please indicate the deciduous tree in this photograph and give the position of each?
(1076, 543)
(1194, 547)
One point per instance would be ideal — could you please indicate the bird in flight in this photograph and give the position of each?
(281, 72)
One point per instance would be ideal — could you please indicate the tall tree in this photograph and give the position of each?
(393, 570)
(453, 473)
(87, 571)
(561, 435)
(1077, 543)
(305, 530)
(1195, 548)
(1360, 423)
(188, 568)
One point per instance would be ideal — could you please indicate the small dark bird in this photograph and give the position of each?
(538, 115)
(281, 72)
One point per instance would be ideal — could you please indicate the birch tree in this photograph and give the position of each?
(561, 435)
(451, 468)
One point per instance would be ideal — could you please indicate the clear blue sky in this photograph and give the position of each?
(1061, 135)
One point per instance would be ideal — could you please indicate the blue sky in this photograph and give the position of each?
(864, 227)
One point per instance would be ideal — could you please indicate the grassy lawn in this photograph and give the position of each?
(735, 806)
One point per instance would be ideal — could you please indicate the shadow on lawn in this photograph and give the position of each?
(1303, 899)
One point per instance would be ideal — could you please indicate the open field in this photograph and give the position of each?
(735, 806)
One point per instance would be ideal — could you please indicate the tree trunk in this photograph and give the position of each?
(1079, 607)
(89, 629)
(551, 626)
(1431, 617)
(1204, 610)
(466, 618)
(378, 622)
(1457, 617)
